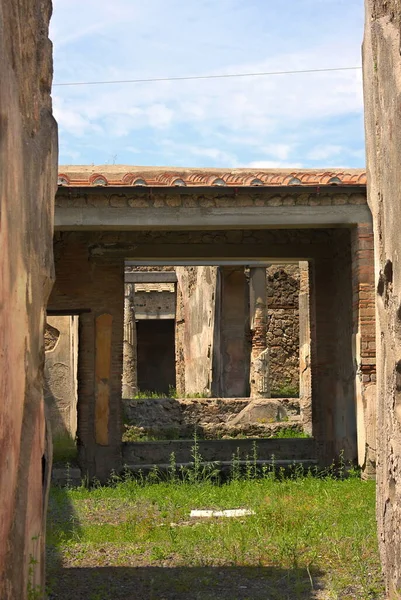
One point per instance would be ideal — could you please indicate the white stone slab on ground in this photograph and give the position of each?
(208, 514)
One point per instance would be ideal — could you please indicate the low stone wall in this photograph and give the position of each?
(211, 417)
(147, 453)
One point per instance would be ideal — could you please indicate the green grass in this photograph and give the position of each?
(64, 449)
(320, 531)
(172, 393)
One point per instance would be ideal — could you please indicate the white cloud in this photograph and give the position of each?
(159, 115)
(324, 152)
(281, 151)
(274, 164)
(273, 119)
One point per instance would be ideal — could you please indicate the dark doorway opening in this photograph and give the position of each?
(156, 355)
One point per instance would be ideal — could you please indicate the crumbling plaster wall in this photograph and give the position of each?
(196, 295)
(382, 86)
(28, 180)
(154, 301)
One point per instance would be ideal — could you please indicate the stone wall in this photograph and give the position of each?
(61, 355)
(283, 325)
(167, 418)
(160, 197)
(154, 301)
(382, 86)
(28, 180)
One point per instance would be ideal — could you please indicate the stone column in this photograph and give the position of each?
(129, 353)
(259, 373)
(364, 346)
(234, 333)
(305, 371)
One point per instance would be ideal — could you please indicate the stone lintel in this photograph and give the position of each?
(158, 316)
(108, 218)
(151, 277)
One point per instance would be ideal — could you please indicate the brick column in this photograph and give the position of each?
(259, 374)
(364, 343)
(129, 348)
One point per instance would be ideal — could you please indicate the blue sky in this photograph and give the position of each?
(308, 120)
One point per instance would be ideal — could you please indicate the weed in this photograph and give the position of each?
(287, 433)
(34, 591)
(287, 390)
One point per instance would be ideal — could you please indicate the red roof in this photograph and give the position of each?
(119, 175)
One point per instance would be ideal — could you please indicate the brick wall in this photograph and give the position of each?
(89, 268)
(92, 286)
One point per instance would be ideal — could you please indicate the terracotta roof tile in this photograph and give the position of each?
(120, 175)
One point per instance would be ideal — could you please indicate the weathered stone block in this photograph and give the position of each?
(261, 411)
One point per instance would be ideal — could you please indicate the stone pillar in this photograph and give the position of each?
(305, 371)
(259, 373)
(129, 349)
(364, 342)
(333, 369)
(196, 292)
(180, 342)
(234, 333)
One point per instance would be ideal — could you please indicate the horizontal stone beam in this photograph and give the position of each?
(143, 316)
(212, 262)
(150, 277)
(206, 254)
(88, 218)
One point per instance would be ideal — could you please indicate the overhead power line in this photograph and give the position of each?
(198, 77)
